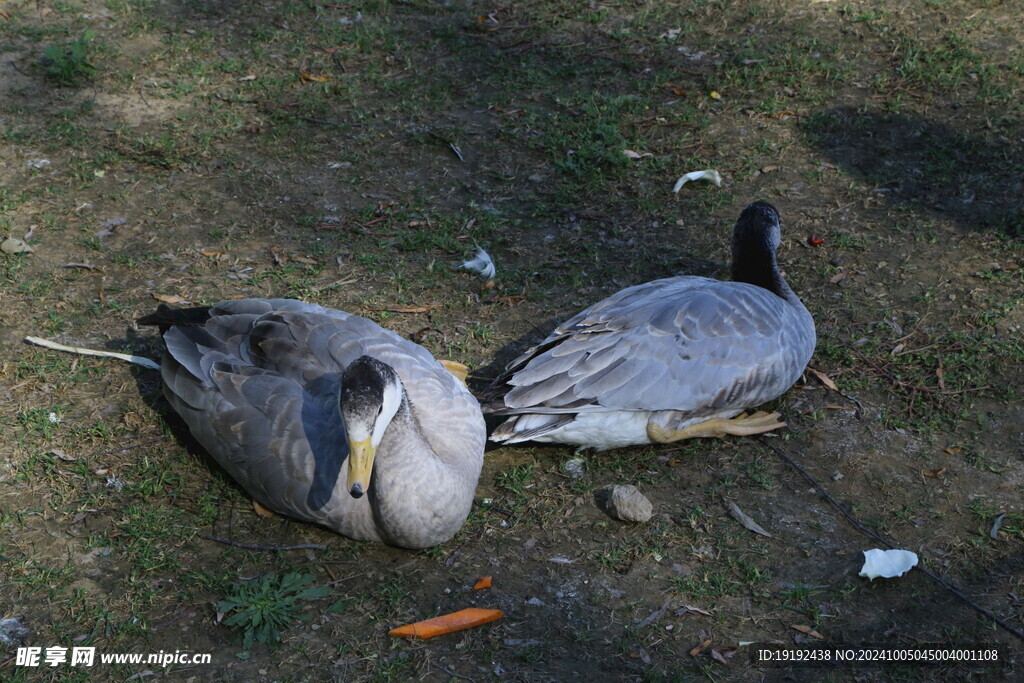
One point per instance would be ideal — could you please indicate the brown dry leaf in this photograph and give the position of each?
(700, 648)
(307, 77)
(719, 654)
(508, 299)
(169, 298)
(935, 473)
(62, 455)
(834, 406)
(260, 510)
(743, 519)
(482, 583)
(211, 252)
(824, 379)
(675, 89)
(277, 253)
(838, 277)
(406, 309)
(808, 630)
(940, 373)
(953, 450)
(686, 609)
(630, 154)
(247, 77)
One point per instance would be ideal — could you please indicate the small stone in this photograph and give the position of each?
(625, 502)
(12, 245)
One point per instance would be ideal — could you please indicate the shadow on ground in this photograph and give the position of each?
(972, 178)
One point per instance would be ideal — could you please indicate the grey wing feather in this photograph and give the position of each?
(686, 344)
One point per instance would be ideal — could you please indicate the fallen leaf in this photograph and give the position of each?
(743, 519)
(940, 373)
(406, 309)
(700, 648)
(260, 510)
(62, 455)
(935, 473)
(247, 77)
(715, 95)
(815, 241)
(824, 379)
(277, 253)
(307, 77)
(809, 631)
(686, 609)
(630, 154)
(482, 583)
(169, 298)
(675, 89)
(719, 654)
(507, 299)
(208, 252)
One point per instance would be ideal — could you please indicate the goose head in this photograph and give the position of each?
(755, 240)
(371, 396)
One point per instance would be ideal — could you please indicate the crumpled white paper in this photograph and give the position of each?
(887, 563)
(709, 175)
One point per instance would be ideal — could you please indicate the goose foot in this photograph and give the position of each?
(741, 425)
(460, 371)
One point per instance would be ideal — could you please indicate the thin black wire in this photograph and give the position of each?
(869, 532)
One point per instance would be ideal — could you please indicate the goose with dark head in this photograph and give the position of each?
(671, 359)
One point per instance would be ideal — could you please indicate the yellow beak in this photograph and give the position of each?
(360, 466)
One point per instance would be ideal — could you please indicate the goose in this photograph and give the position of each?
(326, 417)
(671, 359)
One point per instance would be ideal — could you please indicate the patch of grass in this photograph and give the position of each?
(266, 606)
(68, 64)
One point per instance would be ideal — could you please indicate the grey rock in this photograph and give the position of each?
(625, 502)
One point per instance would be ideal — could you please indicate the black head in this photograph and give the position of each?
(755, 239)
(758, 226)
(363, 383)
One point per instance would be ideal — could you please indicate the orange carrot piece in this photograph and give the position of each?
(482, 582)
(447, 623)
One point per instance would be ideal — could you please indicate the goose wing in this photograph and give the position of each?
(687, 343)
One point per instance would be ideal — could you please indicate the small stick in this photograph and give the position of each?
(863, 529)
(138, 360)
(129, 446)
(257, 546)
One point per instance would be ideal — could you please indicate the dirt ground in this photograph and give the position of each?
(354, 154)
